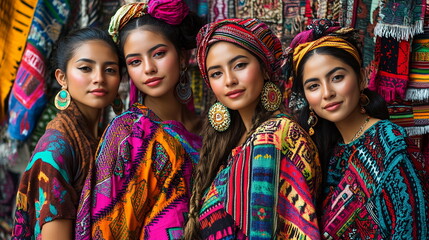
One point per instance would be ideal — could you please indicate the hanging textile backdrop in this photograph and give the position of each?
(15, 22)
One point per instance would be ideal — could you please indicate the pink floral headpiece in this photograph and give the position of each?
(169, 11)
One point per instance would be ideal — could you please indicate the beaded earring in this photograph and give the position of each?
(312, 121)
(219, 117)
(62, 99)
(183, 87)
(117, 105)
(364, 101)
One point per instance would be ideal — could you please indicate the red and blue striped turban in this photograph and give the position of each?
(250, 34)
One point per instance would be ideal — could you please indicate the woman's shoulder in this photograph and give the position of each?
(135, 114)
(286, 129)
(389, 132)
(283, 123)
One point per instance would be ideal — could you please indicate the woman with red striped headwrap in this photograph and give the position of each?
(259, 171)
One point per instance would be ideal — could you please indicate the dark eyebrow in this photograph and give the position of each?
(327, 75)
(229, 62)
(132, 55)
(85, 60)
(93, 62)
(156, 46)
(149, 51)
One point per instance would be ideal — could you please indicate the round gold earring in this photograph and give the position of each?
(219, 117)
(62, 99)
(271, 96)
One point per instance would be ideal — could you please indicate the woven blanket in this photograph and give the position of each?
(15, 22)
(418, 87)
(401, 114)
(400, 19)
(390, 71)
(264, 10)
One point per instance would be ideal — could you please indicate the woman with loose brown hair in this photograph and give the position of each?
(259, 171)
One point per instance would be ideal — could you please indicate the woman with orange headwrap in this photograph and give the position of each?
(373, 175)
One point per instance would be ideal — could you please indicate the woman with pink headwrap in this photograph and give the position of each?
(139, 187)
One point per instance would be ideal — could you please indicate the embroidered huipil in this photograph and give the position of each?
(139, 187)
(268, 188)
(374, 188)
(51, 185)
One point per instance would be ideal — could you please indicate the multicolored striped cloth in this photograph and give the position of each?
(377, 188)
(28, 96)
(16, 17)
(268, 188)
(139, 187)
(418, 86)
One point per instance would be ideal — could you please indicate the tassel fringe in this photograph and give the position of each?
(417, 94)
(417, 130)
(399, 32)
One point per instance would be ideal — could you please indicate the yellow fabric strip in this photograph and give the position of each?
(15, 22)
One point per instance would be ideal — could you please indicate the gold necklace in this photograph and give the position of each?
(359, 132)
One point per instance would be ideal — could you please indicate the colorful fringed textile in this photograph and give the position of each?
(139, 187)
(15, 22)
(418, 87)
(421, 119)
(377, 188)
(390, 77)
(401, 113)
(52, 182)
(400, 19)
(28, 96)
(268, 188)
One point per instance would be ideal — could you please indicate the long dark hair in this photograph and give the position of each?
(326, 133)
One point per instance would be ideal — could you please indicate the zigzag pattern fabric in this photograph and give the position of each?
(139, 187)
(267, 189)
(377, 188)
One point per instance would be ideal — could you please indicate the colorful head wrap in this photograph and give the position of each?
(328, 41)
(170, 11)
(250, 34)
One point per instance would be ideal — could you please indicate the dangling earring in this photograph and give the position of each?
(117, 105)
(364, 101)
(219, 117)
(183, 87)
(62, 99)
(312, 121)
(271, 96)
